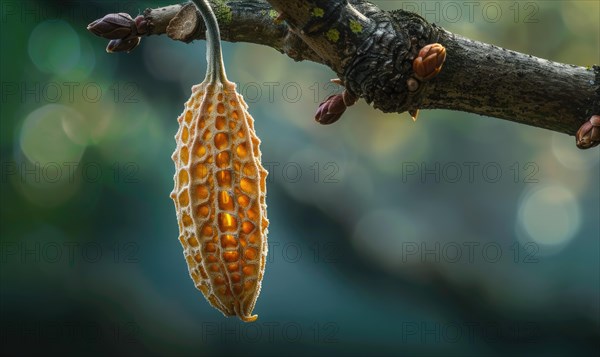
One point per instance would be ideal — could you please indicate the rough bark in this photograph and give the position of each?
(372, 52)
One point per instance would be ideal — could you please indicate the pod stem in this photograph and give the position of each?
(214, 57)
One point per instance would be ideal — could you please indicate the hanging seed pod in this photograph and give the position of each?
(220, 188)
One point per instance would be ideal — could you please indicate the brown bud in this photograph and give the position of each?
(588, 134)
(429, 62)
(330, 110)
(121, 45)
(113, 26)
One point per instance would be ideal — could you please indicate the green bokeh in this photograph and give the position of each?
(386, 237)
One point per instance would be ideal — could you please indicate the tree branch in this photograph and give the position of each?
(372, 52)
(239, 21)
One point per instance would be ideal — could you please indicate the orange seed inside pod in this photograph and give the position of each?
(223, 159)
(225, 201)
(224, 179)
(227, 222)
(228, 241)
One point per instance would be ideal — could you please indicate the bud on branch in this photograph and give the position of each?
(588, 135)
(429, 61)
(121, 29)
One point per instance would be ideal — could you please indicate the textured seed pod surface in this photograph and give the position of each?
(219, 196)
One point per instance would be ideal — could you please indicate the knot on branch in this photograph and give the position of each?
(382, 67)
(184, 25)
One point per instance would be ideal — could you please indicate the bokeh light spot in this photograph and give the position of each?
(43, 138)
(549, 216)
(54, 47)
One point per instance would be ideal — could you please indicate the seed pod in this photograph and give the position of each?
(429, 62)
(219, 196)
(220, 188)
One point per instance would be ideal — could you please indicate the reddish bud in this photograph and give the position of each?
(114, 26)
(588, 134)
(331, 109)
(429, 62)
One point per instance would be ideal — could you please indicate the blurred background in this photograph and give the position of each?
(455, 235)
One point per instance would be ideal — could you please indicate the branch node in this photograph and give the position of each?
(184, 25)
